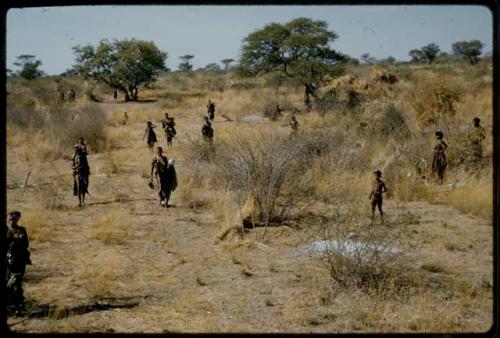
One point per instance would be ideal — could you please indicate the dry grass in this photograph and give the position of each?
(39, 223)
(195, 269)
(112, 229)
(480, 205)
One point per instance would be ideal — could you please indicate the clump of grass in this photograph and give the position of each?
(113, 228)
(434, 267)
(97, 276)
(37, 221)
(480, 205)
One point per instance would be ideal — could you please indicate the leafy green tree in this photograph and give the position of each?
(471, 50)
(390, 59)
(430, 51)
(28, 67)
(212, 67)
(125, 65)
(226, 63)
(427, 53)
(300, 49)
(417, 55)
(367, 59)
(185, 65)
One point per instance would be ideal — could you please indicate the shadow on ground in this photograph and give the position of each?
(34, 310)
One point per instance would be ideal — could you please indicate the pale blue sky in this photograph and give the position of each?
(213, 33)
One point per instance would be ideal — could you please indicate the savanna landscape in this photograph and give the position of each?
(242, 246)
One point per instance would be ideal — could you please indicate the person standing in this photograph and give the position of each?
(476, 136)
(439, 163)
(166, 177)
(207, 131)
(18, 256)
(151, 135)
(376, 198)
(211, 110)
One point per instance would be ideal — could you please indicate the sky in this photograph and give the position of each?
(213, 33)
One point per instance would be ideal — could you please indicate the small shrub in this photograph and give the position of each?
(368, 263)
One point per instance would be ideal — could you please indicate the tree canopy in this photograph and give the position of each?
(125, 65)
(471, 50)
(185, 65)
(226, 63)
(212, 67)
(427, 53)
(300, 49)
(29, 67)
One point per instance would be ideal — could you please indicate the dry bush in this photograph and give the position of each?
(393, 122)
(23, 112)
(61, 124)
(383, 75)
(345, 92)
(434, 98)
(65, 126)
(269, 170)
(364, 259)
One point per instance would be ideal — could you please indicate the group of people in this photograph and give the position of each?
(69, 96)
(168, 125)
(476, 136)
(163, 169)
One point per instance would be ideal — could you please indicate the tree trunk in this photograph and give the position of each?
(308, 91)
(127, 96)
(307, 99)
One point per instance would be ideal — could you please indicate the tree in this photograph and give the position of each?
(390, 59)
(430, 51)
(417, 55)
(28, 67)
(125, 65)
(226, 63)
(367, 59)
(427, 53)
(471, 50)
(212, 67)
(185, 65)
(299, 49)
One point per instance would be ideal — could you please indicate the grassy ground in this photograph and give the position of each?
(124, 264)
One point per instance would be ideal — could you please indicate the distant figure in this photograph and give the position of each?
(125, 118)
(170, 131)
(60, 94)
(294, 125)
(166, 122)
(166, 176)
(81, 171)
(439, 159)
(71, 95)
(278, 110)
(211, 110)
(151, 135)
(378, 188)
(18, 256)
(207, 131)
(476, 136)
(115, 95)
